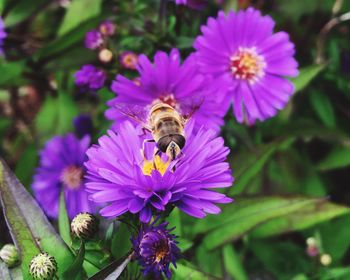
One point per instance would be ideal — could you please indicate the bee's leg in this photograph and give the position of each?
(144, 144)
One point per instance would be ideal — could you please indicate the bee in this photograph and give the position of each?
(165, 123)
(168, 129)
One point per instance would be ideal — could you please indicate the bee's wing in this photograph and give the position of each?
(136, 113)
(190, 106)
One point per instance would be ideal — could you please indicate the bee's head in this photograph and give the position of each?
(173, 150)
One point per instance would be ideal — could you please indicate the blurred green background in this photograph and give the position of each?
(292, 171)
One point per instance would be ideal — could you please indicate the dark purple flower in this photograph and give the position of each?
(61, 169)
(90, 78)
(107, 28)
(3, 35)
(129, 60)
(83, 125)
(93, 39)
(194, 4)
(170, 81)
(123, 179)
(242, 49)
(155, 248)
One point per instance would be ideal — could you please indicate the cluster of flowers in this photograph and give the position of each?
(238, 60)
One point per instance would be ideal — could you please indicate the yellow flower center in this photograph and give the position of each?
(156, 164)
(72, 177)
(247, 64)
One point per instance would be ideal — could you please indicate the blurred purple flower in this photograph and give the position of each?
(194, 4)
(107, 28)
(93, 39)
(129, 60)
(169, 81)
(3, 35)
(83, 125)
(242, 49)
(155, 248)
(61, 169)
(127, 180)
(90, 78)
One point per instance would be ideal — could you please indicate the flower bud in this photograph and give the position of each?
(43, 267)
(84, 226)
(325, 259)
(105, 55)
(9, 255)
(311, 241)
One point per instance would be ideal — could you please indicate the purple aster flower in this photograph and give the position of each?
(61, 169)
(123, 179)
(194, 4)
(169, 81)
(155, 248)
(129, 60)
(83, 125)
(242, 49)
(107, 28)
(3, 35)
(90, 78)
(93, 39)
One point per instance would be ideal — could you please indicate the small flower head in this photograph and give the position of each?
(242, 49)
(105, 55)
(43, 267)
(84, 226)
(93, 40)
(90, 78)
(83, 125)
(325, 259)
(143, 183)
(312, 248)
(3, 35)
(129, 60)
(61, 169)
(9, 255)
(155, 248)
(107, 28)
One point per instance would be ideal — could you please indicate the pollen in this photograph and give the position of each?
(156, 164)
(247, 64)
(72, 177)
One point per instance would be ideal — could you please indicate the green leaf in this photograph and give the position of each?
(22, 10)
(323, 107)
(338, 158)
(26, 164)
(121, 241)
(305, 76)
(314, 213)
(188, 272)
(10, 72)
(338, 273)
(233, 264)
(30, 229)
(74, 15)
(74, 272)
(242, 216)
(63, 222)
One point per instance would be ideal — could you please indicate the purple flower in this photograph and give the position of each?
(194, 4)
(155, 248)
(129, 60)
(90, 78)
(169, 81)
(93, 39)
(123, 179)
(83, 125)
(61, 169)
(107, 28)
(3, 35)
(242, 49)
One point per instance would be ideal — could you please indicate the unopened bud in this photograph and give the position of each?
(325, 259)
(43, 267)
(84, 226)
(105, 55)
(9, 255)
(311, 241)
